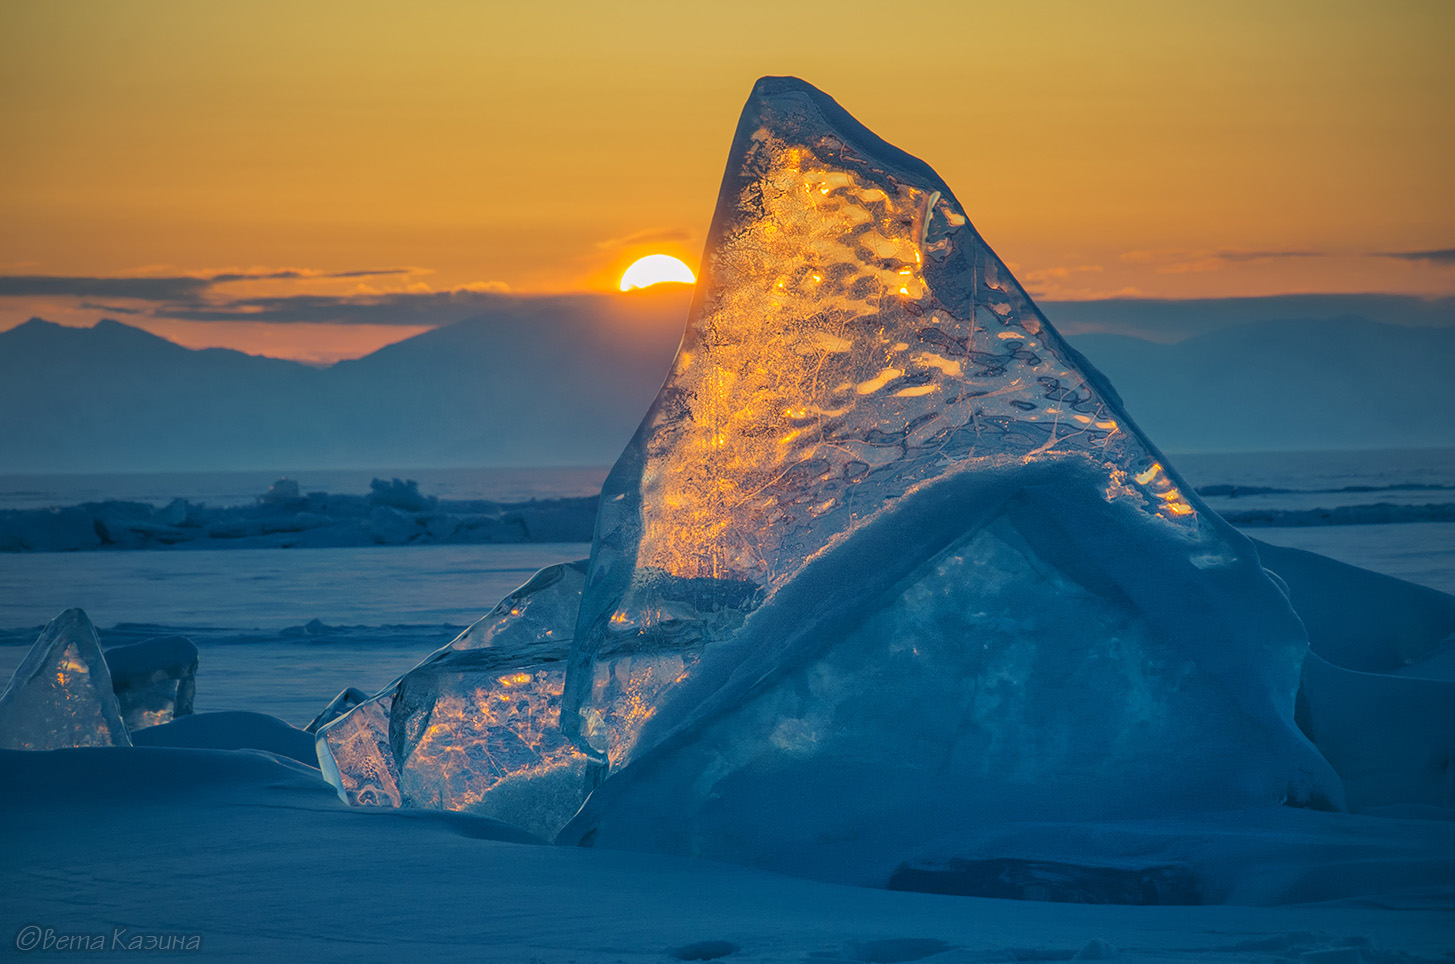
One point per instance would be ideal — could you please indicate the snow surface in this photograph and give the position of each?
(260, 857)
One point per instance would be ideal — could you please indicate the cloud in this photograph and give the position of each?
(173, 288)
(1059, 273)
(143, 289)
(288, 274)
(1266, 255)
(113, 309)
(1186, 261)
(213, 296)
(395, 308)
(1440, 256)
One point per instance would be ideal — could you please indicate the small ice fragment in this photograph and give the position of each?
(354, 754)
(337, 707)
(155, 680)
(61, 695)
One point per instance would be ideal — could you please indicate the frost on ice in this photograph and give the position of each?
(475, 726)
(61, 694)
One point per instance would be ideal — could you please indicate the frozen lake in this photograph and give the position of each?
(247, 609)
(272, 589)
(382, 608)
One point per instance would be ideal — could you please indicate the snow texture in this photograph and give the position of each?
(61, 694)
(155, 680)
(259, 856)
(231, 730)
(1378, 689)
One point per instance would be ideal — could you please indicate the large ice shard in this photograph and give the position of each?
(852, 344)
(886, 547)
(61, 695)
(475, 727)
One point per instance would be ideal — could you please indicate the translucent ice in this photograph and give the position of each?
(338, 706)
(476, 725)
(155, 680)
(887, 558)
(854, 343)
(354, 754)
(60, 695)
(477, 730)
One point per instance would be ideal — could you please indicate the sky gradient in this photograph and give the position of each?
(315, 180)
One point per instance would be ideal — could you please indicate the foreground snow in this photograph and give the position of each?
(259, 857)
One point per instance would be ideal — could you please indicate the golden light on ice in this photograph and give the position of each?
(654, 269)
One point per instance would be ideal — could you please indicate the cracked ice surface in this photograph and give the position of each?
(852, 338)
(61, 694)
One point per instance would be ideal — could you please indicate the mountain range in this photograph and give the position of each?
(563, 381)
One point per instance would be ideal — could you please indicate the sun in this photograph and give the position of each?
(654, 269)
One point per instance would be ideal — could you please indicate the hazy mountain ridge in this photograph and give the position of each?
(566, 380)
(1310, 384)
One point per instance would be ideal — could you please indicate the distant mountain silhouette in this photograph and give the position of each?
(1330, 384)
(559, 381)
(1161, 319)
(547, 381)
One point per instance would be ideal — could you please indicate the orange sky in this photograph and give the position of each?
(1156, 149)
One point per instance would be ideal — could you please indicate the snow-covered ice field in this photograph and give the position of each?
(264, 863)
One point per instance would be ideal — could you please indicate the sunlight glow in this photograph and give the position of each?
(654, 269)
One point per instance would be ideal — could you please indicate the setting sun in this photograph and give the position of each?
(654, 269)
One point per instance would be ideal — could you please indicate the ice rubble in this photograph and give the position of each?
(475, 726)
(61, 694)
(393, 513)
